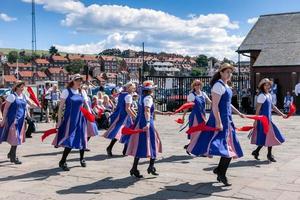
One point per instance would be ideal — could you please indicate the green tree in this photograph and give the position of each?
(12, 56)
(198, 72)
(111, 52)
(35, 56)
(226, 60)
(202, 61)
(53, 50)
(75, 66)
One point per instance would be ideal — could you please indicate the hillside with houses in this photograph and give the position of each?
(109, 66)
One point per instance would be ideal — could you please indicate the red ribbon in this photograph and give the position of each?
(292, 110)
(201, 127)
(185, 107)
(89, 116)
(179, 121)
(245, 128)
(48, 132)
(32, 96)
(263, 119)
(129, 131)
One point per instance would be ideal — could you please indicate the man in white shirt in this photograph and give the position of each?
(297, 93)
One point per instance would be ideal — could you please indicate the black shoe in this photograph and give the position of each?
(28, 136)
(83, 163)
(216, 171)
(224, 180)
(271, 158)
(152, 170)
(15, 161)
(185, 147)
(109, 153)
(124, 151)
(87, 150)
(255, 154)
(136, 173)
(64, 166)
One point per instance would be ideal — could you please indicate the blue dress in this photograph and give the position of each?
(274, 136)
(197, 116)
(145, 144)
(73, 131)
(220, 143)
(13, 130)
(119, 119)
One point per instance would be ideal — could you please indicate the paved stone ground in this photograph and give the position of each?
(181, 176)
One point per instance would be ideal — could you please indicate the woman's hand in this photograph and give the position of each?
(284, 116)
(219, 126)
(255, 123)
(146, 128)
(169, 113)
(242, 115)
(58, 124)
(2, 123)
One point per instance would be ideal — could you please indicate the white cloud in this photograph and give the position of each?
(7, 18)
(125, 27)
(252, 20)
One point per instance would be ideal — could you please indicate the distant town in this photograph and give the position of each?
(109, 66)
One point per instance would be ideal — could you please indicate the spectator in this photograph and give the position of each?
(274, 92)
(46, 101)
(135, 98)
(297, 93)
(54, 99)
(119, 88)
(255, 99)
(107, 103)
(100, 97)
(288, 100)
(114, 96)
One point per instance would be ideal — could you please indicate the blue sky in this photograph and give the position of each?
(212, 27)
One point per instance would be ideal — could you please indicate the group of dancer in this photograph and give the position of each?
(74, 130)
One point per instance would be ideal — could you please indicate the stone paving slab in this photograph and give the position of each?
(181, 176)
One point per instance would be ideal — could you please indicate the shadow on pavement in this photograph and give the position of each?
(38, 175)
(185, 191)
(106, 183)
(242, 163)
(182, 158)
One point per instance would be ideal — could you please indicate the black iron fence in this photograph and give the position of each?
(172, 92)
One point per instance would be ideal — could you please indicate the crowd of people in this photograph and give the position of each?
(127, 116)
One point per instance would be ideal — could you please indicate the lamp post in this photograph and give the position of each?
(239, 80)
(141, 69)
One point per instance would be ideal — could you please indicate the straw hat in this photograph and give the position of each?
(17, 84)
(75, 77)
(265, 80)
(129, 84)
(148, 85)
(226, 66)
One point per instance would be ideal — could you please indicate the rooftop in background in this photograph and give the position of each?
(277, 37)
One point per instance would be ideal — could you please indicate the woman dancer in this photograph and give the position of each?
(122, 116)
(12, 127)
(73, 127)
(223, 143)
(146, 144)
(200, 98)
(264, 106)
